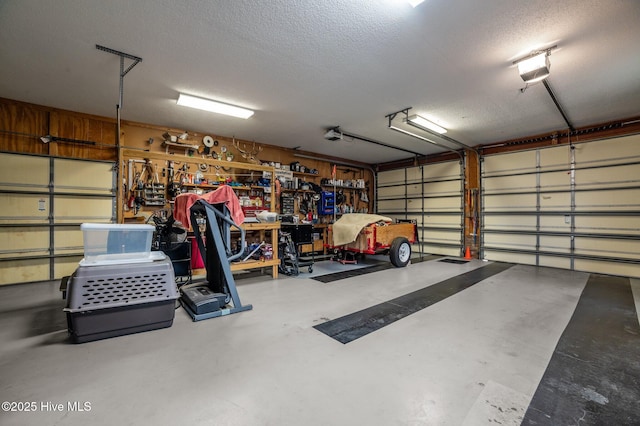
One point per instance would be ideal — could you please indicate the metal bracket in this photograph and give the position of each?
(123, 72)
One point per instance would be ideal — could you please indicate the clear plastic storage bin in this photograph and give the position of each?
(114, 243)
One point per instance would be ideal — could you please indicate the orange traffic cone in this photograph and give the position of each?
(467, 253)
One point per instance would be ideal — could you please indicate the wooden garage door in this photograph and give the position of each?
(432, 196)
(573, 207)
(44, 200)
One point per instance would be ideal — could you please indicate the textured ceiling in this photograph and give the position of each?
(308, 65)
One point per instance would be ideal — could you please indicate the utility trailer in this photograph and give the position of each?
(380, 237)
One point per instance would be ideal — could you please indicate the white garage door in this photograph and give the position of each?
(44, 200)
(432, 196)
(572, 207)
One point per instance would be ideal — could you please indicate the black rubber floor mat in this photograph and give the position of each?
(358, 324)
(381, 266)
(456, 261)
(594, 373)
(336, 276)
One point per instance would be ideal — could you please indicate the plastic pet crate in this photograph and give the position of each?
(112, 300)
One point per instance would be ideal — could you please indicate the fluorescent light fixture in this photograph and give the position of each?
(535, 68)
(214, 106)
(414, 3)
(425, 124)
(398, 129)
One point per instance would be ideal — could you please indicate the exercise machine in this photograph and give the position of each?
(218, 295)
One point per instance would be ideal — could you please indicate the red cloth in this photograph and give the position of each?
(224, 194)
(196, 257)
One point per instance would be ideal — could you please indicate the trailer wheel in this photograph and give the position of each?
(400, 252)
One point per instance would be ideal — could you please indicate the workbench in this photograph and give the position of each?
(262, 228)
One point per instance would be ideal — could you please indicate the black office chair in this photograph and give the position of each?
(180, 255)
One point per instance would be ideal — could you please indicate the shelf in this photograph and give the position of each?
(209, 186)
(258, 226)
(343, 187)
(250, 264)
(180, 145)
(306, 174)
(299, 190)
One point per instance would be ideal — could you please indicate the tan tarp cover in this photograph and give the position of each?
(347, 228)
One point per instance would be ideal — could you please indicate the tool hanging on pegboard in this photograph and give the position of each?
(153, 192)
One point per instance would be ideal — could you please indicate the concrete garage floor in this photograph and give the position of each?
(510, 348)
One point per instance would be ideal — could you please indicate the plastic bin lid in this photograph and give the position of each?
(127, 226)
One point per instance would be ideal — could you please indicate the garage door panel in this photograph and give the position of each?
(505, 222)
(452, 221)
(509, 184)
(68, 240)
(555, 262)
(555, 201)
(555, 223)
(414, 206)
(74, 209)
(611, 268)
(20, 271)
(24, 172)
(390, 206)
(24, 208)
(604, 200)
(392, 177)
(556, 244)
(523, 161)
(414, 190)
(613, 151)
(625, 199)
(522, 242)
(432, 196)
(602, 177)
(66, 266)
(555, 158)
(414, 175)
(80, 177)
(625, 225)
(442, 188)
(501, 256)
(445, 170)
(451, 236)
(513, 202)
(440, 250)
(448, 204)
(607, 247)
(24, 241)
(555, 181)
(390, 192)
(81, 191)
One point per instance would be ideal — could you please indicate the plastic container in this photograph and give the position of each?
(266, 216)
(112, 243)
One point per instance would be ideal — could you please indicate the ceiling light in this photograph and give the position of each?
(535, 68)
(414, 3)
(333, 135)
(398, 129)
(214, 106)
(425, 124)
